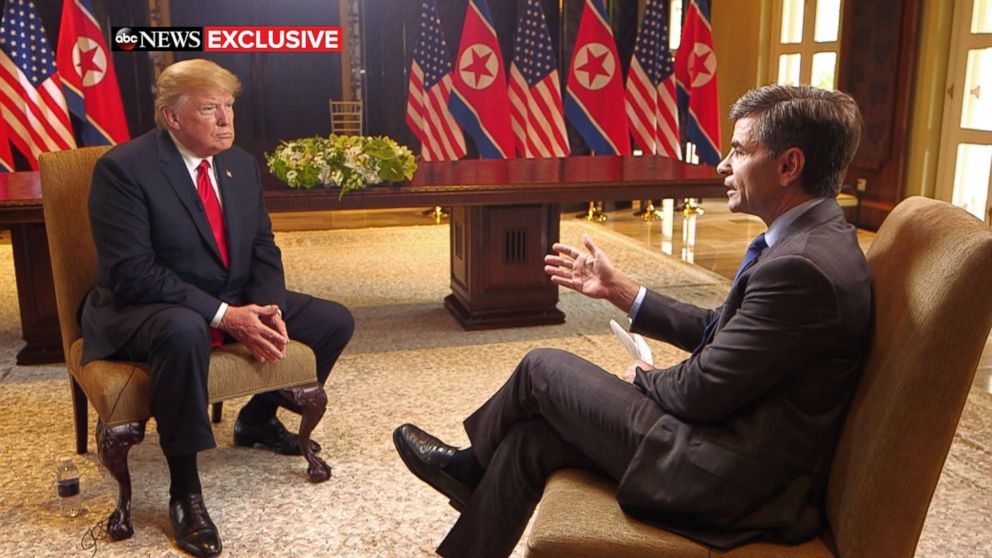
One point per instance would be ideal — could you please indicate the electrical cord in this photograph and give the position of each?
(93, 535)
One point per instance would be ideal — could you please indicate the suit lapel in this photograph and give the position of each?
(178, 177)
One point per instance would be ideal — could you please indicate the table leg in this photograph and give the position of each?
(36, 295)
(497, 266)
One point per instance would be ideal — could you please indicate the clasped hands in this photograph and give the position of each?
(259, 328)
(592, 274)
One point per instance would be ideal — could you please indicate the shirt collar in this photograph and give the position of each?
(780, 225)
(191, 160)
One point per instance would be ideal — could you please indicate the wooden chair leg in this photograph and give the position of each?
(217, 411)
(80, 408)
(313, 400)
(113, 445)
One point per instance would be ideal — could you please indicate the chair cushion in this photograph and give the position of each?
(119, 391)
(579, 517)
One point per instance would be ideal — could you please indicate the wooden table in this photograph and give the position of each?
(504, 219)
(20, 211)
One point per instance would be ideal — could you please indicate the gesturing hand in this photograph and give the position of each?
(591, 274)
(259, 328)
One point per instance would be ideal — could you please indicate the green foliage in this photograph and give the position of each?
(348, 162)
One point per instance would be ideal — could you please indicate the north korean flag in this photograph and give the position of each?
(479, 100)
(88, 77)
(695, 78)
(594, 99)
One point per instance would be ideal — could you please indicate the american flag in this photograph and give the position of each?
(652, 114)
(427, 114)
(31, 98)
(535, 91)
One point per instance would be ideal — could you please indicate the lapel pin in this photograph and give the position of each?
(228, 173)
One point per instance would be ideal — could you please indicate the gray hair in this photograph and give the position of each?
(824, 125)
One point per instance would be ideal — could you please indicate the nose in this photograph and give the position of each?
(724, 167)
(224, 116)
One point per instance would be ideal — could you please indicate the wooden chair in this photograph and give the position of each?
(346, 117)
(119, 391)
(933, 310)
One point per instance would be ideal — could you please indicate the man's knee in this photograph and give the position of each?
(545, 363)
(343, 323)
(321, 322)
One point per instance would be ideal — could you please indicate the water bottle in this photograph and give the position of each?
(67, 483)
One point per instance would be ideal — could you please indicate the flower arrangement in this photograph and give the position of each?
(349, 162)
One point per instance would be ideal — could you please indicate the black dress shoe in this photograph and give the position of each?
(272, 435)
(191, 525)
(425, 456)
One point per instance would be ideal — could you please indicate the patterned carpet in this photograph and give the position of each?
(409, 361)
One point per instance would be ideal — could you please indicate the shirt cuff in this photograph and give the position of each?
(214, 323)
(636, 307)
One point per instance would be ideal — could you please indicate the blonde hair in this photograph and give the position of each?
(187, 76)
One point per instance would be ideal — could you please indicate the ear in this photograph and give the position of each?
(790, 166)
(171, 120)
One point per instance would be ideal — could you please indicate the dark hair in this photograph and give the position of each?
(824, 125)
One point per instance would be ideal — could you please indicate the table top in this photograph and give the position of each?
(518, 181)
(20, 198)
(466, 182)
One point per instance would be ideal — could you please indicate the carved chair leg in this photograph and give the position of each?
(217, 411)
(313, 400)
(113, 445)
(80, 407)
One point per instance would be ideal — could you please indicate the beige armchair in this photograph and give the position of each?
(933, 310)
(119, 391)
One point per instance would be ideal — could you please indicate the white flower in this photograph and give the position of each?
(349, 162)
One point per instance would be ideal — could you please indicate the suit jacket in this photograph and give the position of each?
(744, 449)
(155, 247)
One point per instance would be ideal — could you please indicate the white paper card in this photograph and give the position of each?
(634, 343)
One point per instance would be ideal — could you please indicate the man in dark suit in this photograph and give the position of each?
(187, 261)
(734, 443)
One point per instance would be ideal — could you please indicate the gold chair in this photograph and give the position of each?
(346, 117)
(119, 391)
(933, 310)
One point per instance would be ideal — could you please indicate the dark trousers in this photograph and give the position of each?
(176, 344)
(556, 411)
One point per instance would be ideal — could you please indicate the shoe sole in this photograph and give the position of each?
(413, 464)
(192, 550)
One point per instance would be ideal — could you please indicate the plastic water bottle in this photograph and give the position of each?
(67, 483)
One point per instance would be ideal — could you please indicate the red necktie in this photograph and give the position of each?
(212, 207)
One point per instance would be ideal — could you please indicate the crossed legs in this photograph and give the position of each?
(556, 411)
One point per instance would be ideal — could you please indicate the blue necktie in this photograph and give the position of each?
(754, 251)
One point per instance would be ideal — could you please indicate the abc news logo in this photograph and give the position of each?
(227, 39)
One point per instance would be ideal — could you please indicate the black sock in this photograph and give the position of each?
(465, 467)
(259, 410)
(185, 478)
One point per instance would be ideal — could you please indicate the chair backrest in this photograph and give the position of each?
(346, 117)
(65, 192)
(932, 276)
